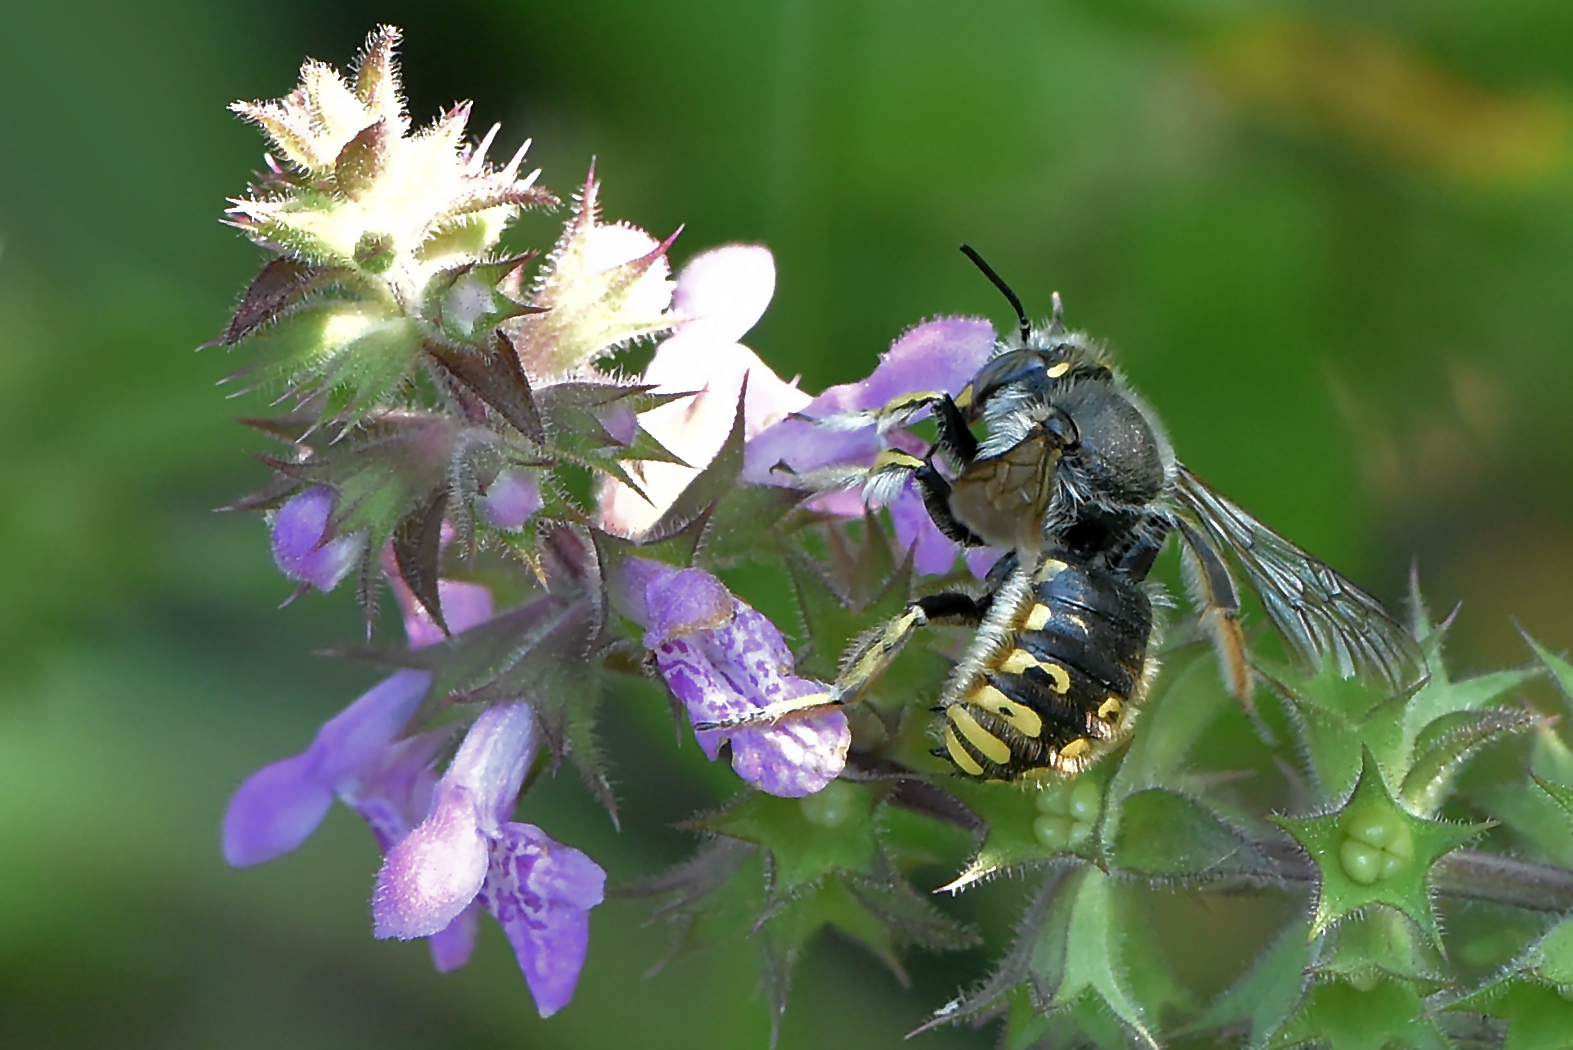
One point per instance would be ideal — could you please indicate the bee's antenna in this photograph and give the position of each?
(999, 282)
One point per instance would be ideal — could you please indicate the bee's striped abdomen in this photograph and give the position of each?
(1057, 690)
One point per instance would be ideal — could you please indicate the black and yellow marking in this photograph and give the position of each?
(895, 457)
(959, 755)
(987, 744)
(1055, 371)
(916, 399)
(1055, 691)
(1050, 568)
(1019, 716)
(1076, 749)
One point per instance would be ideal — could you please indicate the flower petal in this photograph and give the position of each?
(434, 874)
(695, 428)
(451, 946)
(680, 601)
(274, 811)
(932, 551)
(740, 667)
(298, 548)
(394, 793)
(359, 734)
(490, 764)
(464, 605)
(726, 290)
(942, 354)
(281, 805)
(541, 891)
(512, 500)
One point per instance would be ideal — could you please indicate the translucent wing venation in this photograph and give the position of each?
(1321, 615)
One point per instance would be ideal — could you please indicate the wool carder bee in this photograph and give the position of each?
(1049, 455)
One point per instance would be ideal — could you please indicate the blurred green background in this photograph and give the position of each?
(1332, 243)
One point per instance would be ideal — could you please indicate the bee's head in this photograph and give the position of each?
(1032, 362)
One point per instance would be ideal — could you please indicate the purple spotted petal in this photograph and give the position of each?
(675, 602)
(513, 499)
(452, 945)
(299, 528)
(436, 871)
(280, 806)
(541, 892)
(729, 671)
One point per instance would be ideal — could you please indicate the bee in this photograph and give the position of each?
(1048, 454)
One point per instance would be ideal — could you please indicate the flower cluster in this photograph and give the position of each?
(384, 269)
(454, 421)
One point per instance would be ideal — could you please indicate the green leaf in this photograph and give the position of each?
(282, 284)
(1438, 698)
(802, 850)
(1371, 851)
(1184, 703)
(1561, 670)
(417, 552)
(1068, 961)
(711, 485)
(589, 310)
(1534, 996)
(707, 898)
(1336, 1014)
(1382, 944)
(732, 531)
(1560, 793)
(1165, 833)
(1445, 745)
(1022, 827)
(494, 375)
(1077, 950)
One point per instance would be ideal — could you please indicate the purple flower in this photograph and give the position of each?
(466, 852)
(722, 659)
(357, 755)
(512, 500)
(451, 851)
(721, 294)
(943, 354)
(301, 548)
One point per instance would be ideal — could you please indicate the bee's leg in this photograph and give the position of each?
(935, 490)
(955, 437)
(1213, 591)
(897, 412)
(866, 660)
(1136, 560)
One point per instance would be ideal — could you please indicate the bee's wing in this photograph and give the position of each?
(1319, 613)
